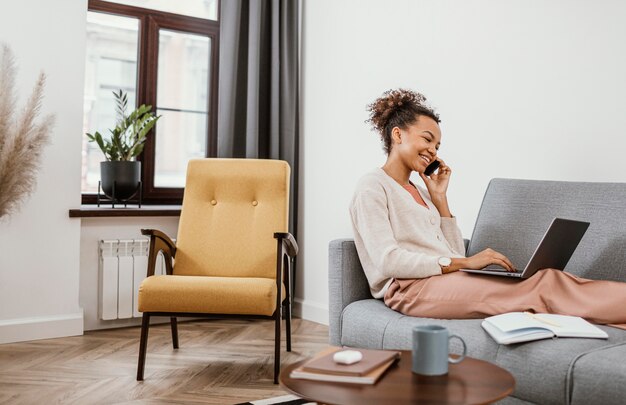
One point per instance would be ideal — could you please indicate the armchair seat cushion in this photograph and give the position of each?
(208, 295)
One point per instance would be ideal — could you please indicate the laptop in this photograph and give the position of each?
(554, 250)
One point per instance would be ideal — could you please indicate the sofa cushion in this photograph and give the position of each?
(363, 324)
(540, 368)
(598, 376)
(515, 214)
(371, 324)
(398, 335)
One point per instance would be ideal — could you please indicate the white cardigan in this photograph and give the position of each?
(395, 236)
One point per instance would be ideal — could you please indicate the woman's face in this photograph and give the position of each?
(416, 146)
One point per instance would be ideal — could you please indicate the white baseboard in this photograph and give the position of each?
(311, 311)
(41, 327)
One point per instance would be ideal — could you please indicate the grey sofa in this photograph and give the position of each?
(513, 217)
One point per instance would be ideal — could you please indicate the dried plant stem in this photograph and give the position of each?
(7, 93)
(22, 139)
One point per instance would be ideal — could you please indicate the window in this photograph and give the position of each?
(163, 58)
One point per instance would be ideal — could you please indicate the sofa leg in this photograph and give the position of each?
(143, 343)
(174, 332)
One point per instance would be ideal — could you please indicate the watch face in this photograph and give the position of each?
(445, 261)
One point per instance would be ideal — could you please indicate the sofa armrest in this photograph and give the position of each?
(346, 283)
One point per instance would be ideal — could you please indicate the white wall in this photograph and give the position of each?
(525, 88)
(39, 247)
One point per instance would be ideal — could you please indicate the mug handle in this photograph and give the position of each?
(460, 359)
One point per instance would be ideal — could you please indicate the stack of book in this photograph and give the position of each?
(367, 371)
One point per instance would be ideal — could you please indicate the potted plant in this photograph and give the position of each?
(120, 174)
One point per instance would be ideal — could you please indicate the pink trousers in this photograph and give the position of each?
(460, 295)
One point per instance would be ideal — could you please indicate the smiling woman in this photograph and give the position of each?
(411, 248)
(385, 199)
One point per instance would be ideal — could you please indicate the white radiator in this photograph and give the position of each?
(123, 266)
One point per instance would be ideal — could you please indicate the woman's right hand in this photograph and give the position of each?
(486, 258)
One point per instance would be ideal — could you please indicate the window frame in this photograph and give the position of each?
(150, 22)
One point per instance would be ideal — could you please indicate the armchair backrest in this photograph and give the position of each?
(231, 210)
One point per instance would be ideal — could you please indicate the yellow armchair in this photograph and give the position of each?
(233, 252)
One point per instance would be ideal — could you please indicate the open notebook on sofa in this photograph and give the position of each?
(516, 327)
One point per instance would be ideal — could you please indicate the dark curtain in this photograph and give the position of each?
(258, 113)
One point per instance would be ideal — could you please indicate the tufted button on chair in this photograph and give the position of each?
(232, 254)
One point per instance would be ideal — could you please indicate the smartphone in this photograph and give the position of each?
(430, 169)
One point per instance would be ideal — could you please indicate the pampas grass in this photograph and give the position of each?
(22, 139)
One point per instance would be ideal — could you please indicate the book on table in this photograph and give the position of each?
(516, 327)
(368, 370)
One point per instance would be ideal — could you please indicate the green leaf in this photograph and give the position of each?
(139, 149)
(143, 109)
(147, 127)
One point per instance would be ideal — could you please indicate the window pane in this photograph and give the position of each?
(180, 136)
(183, 71)
(182, 99)
(194, 8)
(111, 64)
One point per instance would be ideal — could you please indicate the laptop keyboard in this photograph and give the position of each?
(495, 267)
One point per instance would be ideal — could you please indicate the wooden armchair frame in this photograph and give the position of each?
(286, 250)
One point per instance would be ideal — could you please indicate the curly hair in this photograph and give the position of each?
(397, 108)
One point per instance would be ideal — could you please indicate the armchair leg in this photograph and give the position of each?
(174, 332)
(287, 301)
(277, 345)
(143, 343)
(288, 323)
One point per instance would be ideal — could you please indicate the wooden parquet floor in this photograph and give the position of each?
(219, 362)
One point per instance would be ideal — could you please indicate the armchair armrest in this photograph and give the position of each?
(287, 249)
(289, 242)
(159, 242)
(161, 235)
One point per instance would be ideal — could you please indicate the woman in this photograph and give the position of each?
(411, 247)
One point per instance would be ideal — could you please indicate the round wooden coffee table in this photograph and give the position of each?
(472, 381)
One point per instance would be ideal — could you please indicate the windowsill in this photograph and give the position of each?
(93, 211)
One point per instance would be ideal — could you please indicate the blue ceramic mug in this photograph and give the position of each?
(431, 350)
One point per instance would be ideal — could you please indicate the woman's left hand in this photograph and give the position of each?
(437, 183)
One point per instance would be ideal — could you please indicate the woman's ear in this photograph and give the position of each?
(396, 136)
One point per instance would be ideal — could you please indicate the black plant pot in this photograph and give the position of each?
(126, 176)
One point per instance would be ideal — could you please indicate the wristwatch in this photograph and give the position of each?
(444, 263)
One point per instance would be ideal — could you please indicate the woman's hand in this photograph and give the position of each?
(437, 183)
(486, 258)
(479, 261)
